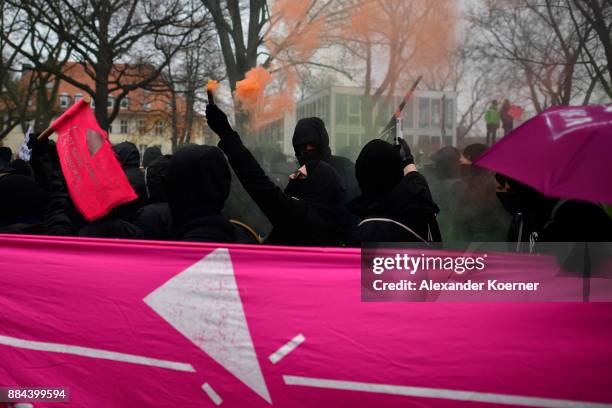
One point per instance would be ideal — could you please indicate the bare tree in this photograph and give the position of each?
(598, 15)
(27, 95)
(184, 80)
(391, 42)
(541, 42)
(122, 45)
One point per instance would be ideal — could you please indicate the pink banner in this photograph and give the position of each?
(143, 324)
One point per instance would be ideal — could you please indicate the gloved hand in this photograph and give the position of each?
(405, 152)
(217, 121)
(38, 147)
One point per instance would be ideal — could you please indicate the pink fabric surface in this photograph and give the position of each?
(89, 293)
(94, 177)
(563, 152)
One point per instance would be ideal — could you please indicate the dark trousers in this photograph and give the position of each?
(491, 134)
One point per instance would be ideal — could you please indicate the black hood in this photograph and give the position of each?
(311, 131)
(127, 154)
(410, 198)
(150, 154)
(22, 201)
(155, 177)
(378, 168)
(198, 183)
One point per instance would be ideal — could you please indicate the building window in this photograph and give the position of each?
(354, 111)
(124, 126)
(341, 110)
(146, 105)
(78, 97)
(423, 113)
(64, 100)
(159, 128)
(449, 114)
(141, 125)
(125, 103)
(341, 140)
(435, 113)
(110, 102)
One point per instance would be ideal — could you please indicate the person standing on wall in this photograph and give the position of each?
(492, 119)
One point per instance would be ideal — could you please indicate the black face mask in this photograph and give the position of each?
(510, 202)
(304, 156)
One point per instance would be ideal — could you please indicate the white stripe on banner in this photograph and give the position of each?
(440, 393)
(212, 394)
(279, 354)
(94, 353)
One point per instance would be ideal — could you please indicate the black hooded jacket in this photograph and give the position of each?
(310, 211)
(155, 218)
(312, 131)
(197, 185)
(129, 158)
(394, 207)
(21, 206)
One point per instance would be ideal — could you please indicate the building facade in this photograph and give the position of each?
(144, 117)
(429, 120)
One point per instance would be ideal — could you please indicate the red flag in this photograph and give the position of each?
(93, 175)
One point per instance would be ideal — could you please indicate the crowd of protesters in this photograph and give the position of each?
(326, 201)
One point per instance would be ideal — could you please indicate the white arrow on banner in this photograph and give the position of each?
(204, 305)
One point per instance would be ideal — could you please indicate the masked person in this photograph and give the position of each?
(311, 142)
(396, 204)
(21, 207)
(310, 211)
(154, 218)
(197, 185)
(129, 159)
(536, 217)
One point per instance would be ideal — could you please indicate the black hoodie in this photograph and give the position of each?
(129, 158)
(400, 203)
(312, 131)
(310, 211)
(197, 185)
(155, 218)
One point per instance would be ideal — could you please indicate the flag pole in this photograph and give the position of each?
(49, 131)
(398, 111)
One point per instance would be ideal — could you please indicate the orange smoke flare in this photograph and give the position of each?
(212, 85)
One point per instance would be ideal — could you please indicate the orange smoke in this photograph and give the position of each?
(212, 85)
(250, 90)
(265, 107)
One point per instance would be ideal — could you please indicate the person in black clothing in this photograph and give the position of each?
(310, 211)
(21, 206)
(478, 216)
(311, 142)
(60, 216)
(22, 167)
(197, 185)
(5, 156)
(151, 153)
(536, 217)
(129, 159)
(155, 218)
(396, 205)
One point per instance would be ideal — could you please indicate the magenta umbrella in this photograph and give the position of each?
(564, 152)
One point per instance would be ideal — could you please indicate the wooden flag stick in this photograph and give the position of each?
(49, 131)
